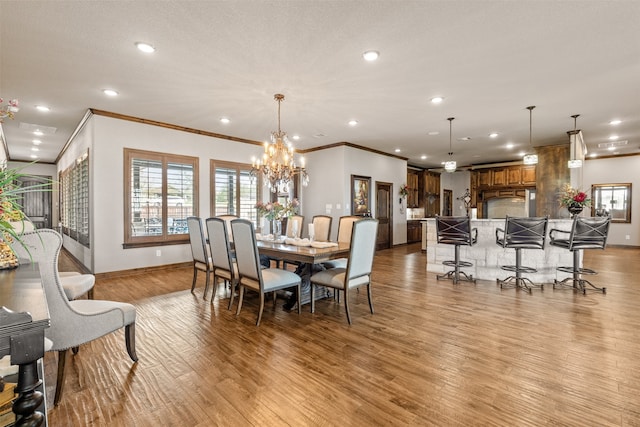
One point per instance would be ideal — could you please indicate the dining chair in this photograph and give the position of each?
(251, 275)
(227, 219)
(75, 284)
(73, 323)
(457, 231)
(345, 223)
(321, 228)
(586, 233)
(521, 233)
(295, 224)
(359, 265)
(221, 257)
(201, 259)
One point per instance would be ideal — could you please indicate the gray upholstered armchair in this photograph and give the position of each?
(74, 323)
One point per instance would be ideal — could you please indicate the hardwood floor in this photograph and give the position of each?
(432, 354)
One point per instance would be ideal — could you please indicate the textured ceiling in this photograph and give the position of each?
(488, 59)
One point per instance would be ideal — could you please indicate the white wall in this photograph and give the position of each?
(618, 170)
(458, 182)
(330, 171)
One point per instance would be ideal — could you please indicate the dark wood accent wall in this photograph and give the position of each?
(552, 173)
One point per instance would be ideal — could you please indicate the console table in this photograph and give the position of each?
(23, 318)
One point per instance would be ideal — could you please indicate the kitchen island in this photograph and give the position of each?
(487, 257)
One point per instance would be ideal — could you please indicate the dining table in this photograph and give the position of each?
(308, 254)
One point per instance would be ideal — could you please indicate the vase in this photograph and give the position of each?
(575, 209)
(8, 259)
(276, 228)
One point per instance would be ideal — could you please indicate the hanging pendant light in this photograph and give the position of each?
(450, 166)
(530, 159)
(574, 162)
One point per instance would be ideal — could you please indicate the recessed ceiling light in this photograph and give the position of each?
(33, 156)
(433, 133)
(509, 146)
(465, 138)
(615, 122)
(423, 157)
(109, 92)
(296, 137)
(35, 149)
(371, 55)
(613, 137)
(522, 154)
(43, 108)
(593, 155)
(493, 135)
(145, 47)
(353, 122)
(397, 150)
(224, 120)
(37, 142)
(437, 100)
(38, 132)
(611, 148)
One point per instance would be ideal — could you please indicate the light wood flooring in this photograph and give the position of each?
(433, 354)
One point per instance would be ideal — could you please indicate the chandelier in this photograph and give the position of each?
(450, 166)
(9, 109)
(530, 159)
(277, 164)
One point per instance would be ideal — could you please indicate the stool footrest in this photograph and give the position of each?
(460, 264)
(577, 284)
(577, 270)
(518, 283)
(520, 269)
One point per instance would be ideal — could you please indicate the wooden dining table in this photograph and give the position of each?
(308, 256)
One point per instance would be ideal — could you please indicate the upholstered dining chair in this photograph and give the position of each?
(227, 219)
(457, 231)
(221, 257)
(359, 265)
(586, 233)
(321, 228)
(345, 223)
(201, 259)
(251, 275)
(295, 224)
(73, 323)
(521, 233)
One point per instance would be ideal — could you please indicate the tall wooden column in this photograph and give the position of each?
(551, 174)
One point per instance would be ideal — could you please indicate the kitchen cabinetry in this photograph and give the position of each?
(507, 176)
(413, 182)
(431, 194)
(414, 231)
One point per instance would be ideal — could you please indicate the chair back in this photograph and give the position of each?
(197, 240)
(219, 244)
(363, 246)
(524, 232)
(322, 227)
(228, 219)
(345, 225)
(455, 230)
(247, 257)
(589, 233)
(294, 226)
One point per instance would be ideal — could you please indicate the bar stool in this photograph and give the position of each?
(521, 233)
(586, 233)
(456, 230)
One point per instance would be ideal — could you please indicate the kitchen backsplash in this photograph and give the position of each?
(415, 213)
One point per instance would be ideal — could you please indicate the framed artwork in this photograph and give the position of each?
(360, 195)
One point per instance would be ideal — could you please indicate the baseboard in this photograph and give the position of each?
(143, 270)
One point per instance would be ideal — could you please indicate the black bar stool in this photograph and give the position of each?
(456, 230)
(521, 233)
(586, 233)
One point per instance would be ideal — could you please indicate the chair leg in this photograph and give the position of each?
(576, 281)
(75, 350)
(90, 294)
(518, 281)
(346, 304)
(299, 296)
(195, 277)
(206, 284)
(313, 302)
(454, 275)
(62, 357)
(240, 298)
(130, 340)
(214, 284)
(232, 295)
(369, 295)
(261, 308)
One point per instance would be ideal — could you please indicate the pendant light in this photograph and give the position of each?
(530, 159)
(574, 162)
(450, 166)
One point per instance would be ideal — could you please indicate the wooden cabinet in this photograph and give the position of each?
(529, 175)
(413, 182)
(431, 194)
(507, 176)
(514, 175)
(499, 177)
(485, 178)
(414, 231)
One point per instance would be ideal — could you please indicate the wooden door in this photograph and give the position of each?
(36, 205)
(447, 202)
(384, 215)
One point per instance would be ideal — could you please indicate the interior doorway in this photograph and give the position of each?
(384, 215)
(36, 205)
(447, 202)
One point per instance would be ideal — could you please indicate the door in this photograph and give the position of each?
(384, 215)
(36, 205)
(447, 202)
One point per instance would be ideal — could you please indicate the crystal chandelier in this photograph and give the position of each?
(450, 166)
(530, 159)
(277, 164)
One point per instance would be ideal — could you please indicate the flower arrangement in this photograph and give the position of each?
(404, 190)
(570, 196)
(9, 109)
(277, 210)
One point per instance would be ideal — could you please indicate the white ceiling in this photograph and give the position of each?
(488, 59)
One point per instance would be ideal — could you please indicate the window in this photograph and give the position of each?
(161, 191)
(233, 192)
(612, 200)
(74, 200)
